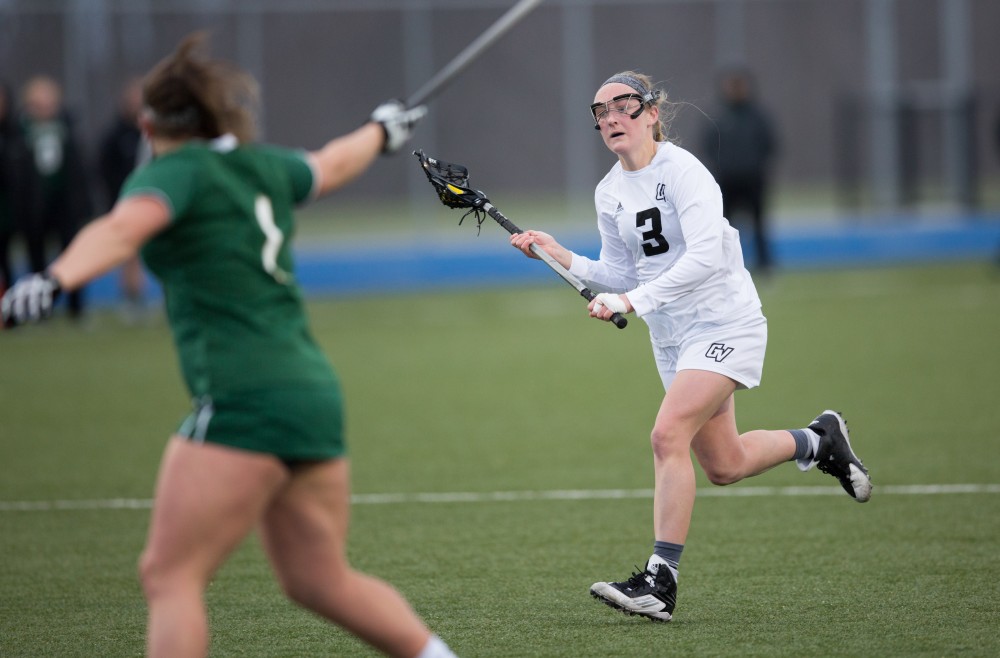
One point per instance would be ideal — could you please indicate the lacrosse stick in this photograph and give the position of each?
(479, 45)
(451, 182)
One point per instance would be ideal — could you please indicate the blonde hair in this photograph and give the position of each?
(188, 95)
(660, 102)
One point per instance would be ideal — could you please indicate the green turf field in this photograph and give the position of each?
(540, 418)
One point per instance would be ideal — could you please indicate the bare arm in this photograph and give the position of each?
(110, 240)
(345, 158)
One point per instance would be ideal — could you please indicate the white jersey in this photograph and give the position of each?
(665, 243)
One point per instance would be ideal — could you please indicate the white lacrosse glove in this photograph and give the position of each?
(30, 299)
(397, 123)
(611, 301)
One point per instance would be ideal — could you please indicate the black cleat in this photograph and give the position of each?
(647, 593)
(836, 458)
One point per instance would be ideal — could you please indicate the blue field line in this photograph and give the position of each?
(382, 267)
(894, 242)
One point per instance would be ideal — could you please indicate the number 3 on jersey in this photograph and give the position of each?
(273, 238)
(653, 242)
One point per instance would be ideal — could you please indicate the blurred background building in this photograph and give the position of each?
(881, 106)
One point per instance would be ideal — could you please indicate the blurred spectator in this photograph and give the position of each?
(17, 188)
(996, 135)
(996, 143)
(65, 195)
(120, 153)
(739, 147)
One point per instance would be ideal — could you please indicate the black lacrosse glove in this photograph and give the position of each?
(30, 299)
(397, 123)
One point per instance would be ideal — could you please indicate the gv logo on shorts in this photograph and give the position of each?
(719, 352)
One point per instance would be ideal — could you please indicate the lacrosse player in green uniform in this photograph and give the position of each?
(264, 446)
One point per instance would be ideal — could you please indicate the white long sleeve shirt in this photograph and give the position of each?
(665, 243)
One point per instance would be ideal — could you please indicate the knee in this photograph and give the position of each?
(151, 574)
(722, 475)
(312, 593)
(299, 592)
(161, 577)
(668, 443)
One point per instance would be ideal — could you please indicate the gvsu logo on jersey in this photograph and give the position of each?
(661, 192)
(719, 352)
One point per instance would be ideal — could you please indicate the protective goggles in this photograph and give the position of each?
(629, 104)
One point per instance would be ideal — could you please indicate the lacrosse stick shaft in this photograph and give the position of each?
(585, 292)
(434, 86)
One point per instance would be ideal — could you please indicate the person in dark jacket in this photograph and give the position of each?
(65, 193)
(739, 148)
(996, 142)
(18, 188)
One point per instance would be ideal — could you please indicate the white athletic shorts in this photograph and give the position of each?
(735, 350)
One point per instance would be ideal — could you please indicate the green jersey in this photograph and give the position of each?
(225, 263)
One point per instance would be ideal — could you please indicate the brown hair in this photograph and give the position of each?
(188, 95)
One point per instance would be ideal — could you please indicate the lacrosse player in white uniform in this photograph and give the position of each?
(669, 256)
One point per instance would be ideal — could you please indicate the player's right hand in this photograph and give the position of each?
(30, 299)
(610, 301)
(525, 239)
(397, 123)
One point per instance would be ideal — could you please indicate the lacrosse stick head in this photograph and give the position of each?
(451, 182)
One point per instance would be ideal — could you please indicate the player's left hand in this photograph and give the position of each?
(606, 304)
(30, 299)
(397, 123)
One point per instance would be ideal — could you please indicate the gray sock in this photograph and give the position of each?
(803, 446)
(669, 552)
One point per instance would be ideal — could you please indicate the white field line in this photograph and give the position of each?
(506, 496)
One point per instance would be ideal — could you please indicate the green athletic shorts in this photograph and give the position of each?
(293, 424)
